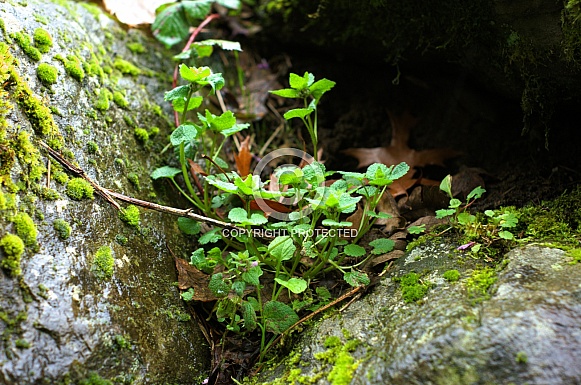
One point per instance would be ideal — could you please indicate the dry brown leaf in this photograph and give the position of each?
(134, 12)
(196, 168)
(428, 221)
(189, 276)
(395, 254)
(466, 180)
(244, 158)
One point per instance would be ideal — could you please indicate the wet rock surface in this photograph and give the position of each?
(74, 314)
(525, 332)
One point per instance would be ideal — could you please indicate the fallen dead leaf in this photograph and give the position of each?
(134, 12)
(244, 158)
(190, 277)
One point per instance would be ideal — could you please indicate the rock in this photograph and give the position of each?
(517, 325)
(91, 297)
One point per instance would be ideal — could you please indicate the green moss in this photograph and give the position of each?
(130, 215)
(79, 188)
(73, 66)
(47, 74)
(121, 239)
(451, 275)
(95, 379)
(521, 358)
(573, 253)
(479, 282)
(42, 40)
(28, 155)
(13, 248)
(47, 193)
(134, 180)
(92, 147)
(136, 47)
(120, 100)
(25, 228)
(25, 43)
(60, 176)
(22, 344)
(129, 121)
(62, 228)
(411, 288)
(141, 135)
(102, 103)
(103, 263)
(338, 355)
(153, 131)
(121, 341)
(40, 18)
(2, 200)
(126, 67)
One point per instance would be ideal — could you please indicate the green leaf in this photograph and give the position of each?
(333, 223)
(286, 93)
(378, 174)
(234, 129)
(249, 316)
(381, 246)
(444, 213)
(194, 74)
(368, 191)
(211, 236)
(399, 170)
(188, 295)
(278, 317)
(172, 23)
(455, 203)
(508, 220)
(282, 248)
(446, 185)
(238, 287)
(505, 235)
(232, 4)
(380, 215)
(476, 193)
(218, 123)
(296, 285)
(318, 88)
(238, 214)
(222, 185)
(347, 203)
(180, 104)
(299, 82)
(252, 276)
(465, 218)
(489, 213)
(224, 44)
(183, 134)
(298, 113)
(189, 226)
(216, 81)
(356, 278)
(323, 293)
(165, 172)
(354, 250)
(198, 258)
(177, 93)
(218, 286)
(417, 229)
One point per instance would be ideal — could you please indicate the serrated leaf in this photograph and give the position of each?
(224, 44)
(455, 203)
(238, 214)
(180, 104)
(380, 215)
(172, 23)
(298, 113)
(234, 129)
(183, 134)
(446, 185)
(211, 236)
(465, 218)
(296, 285)
(165, 172)
(249, 316)
(318, 88)
(378, 174)
(189, 226)
(222, 185)
(282, 248)
(356, 278)
(177, 93)
(252, 276)
(333, 223)
(194, 74)
(286, 93)
(216, 81)
(476, 193)
(278, 317)
(354, 250)
(381, 246)
(399, 170)
(508, 220)
(298, 82)
(218, 123)
(323, 293)
(218, 286)
(198, 258)
(368, 191)
(417, 229)
(238, 287)
(188, 295)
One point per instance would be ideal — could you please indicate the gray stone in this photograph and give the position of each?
(133, 327)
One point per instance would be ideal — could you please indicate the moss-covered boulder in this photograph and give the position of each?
(86, 297)
(441, 317)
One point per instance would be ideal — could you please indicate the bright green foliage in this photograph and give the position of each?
(62, 228)
(42, 40)
(141, 135)
(47, 74)
(130, 215)
(479, 282)
(95, 379)
(92, 147)
(103, 263)
(125, 67)
(412, 290)
(136, 47)
(338, 355)
(73, 66)
(13, 248)
(451, 275)
(102, 103)
(119, 99)
(25, 228)
(79, 188)
(24, 41)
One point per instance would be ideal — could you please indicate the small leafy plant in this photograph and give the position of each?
(263, 271)
(480, 230)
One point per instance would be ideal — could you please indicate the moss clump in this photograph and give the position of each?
(120, 100)
(141, 135)
(136, 47)
(339, 356)
(134, 180)
(479, 282)
(22, 344)
(73, 66)
(94, 378)
(92, 147)
(47, 74)
(130, 215)
(521, 358)
(452, 275)
(153, 131)
(25, 228)
(23, 40)
(411, 288)
(103, 263)
(13, 248)
(42, 40)
(60, 176)
(102, 103)
(79, 188)
(126, 67)
(121, 239)
(62, 228)
(28, 155)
